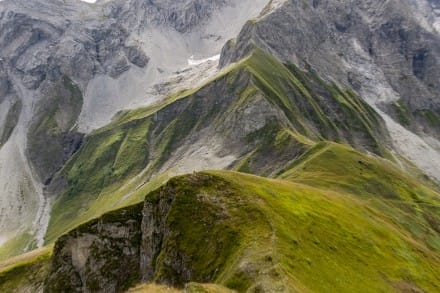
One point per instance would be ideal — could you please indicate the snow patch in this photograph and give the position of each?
(193, 62)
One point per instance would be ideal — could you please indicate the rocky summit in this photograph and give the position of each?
(219, 146)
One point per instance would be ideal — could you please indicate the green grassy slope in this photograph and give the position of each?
(255, 234)
(407, 201)
(25, 273)
(331, 241)
(17, 245)
(266, 112)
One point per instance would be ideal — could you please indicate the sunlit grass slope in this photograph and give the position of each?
(322, 240)
(304, 232)
(25, 273)
(189, 288)
(398, 196)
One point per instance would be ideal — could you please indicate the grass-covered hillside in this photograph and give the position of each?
(247, 233)
(313, 200)
(25, 273)
(254, 117)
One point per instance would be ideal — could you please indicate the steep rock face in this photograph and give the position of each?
(183, 16)
(44, 40)
(401, 46)
(184, 204)
(388, 51)
(100, 256)
(144, 242)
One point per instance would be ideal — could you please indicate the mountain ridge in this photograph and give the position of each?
(326, 162)
(111, 64)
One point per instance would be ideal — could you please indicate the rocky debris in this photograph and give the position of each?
(38, 49)
(5, 84)
(10, 121)
(136, 56)
(183, 16)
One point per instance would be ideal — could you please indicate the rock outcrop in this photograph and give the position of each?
(145, 243)
(100, 256)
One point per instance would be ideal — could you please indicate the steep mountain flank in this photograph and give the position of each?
(52, 138)
(255, 117)
(27, 272)
(322, 116)
(66, 67)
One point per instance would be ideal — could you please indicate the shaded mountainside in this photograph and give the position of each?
(255, 234)
(256, 117)
(388, 52)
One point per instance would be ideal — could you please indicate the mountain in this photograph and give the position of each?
(387, 51)
(66, 67)
(322, 116)
(250, 233)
